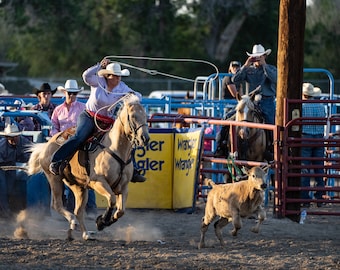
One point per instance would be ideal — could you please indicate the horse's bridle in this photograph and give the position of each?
(132, 128)
(255, 114)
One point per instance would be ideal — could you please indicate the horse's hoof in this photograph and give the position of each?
(201, 245)
(69, 235)
(89, 236)
(100, 223)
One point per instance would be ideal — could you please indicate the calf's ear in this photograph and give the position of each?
(245, 170)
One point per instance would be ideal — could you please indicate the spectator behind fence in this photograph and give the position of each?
(229, 88)
(13, 148)
(44, 94)
(65, 116)
(25, 123)
(312, 132)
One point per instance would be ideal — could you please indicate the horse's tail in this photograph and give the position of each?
(33, 164)
(209, 182)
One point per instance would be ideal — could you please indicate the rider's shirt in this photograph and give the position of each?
(265, 75)
(100, 99)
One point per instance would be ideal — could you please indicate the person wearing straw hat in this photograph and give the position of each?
(317, 92)
(256, 72)
(13, 148)
(107, 88)
(63, 117)
(312, 131)
(66, 114)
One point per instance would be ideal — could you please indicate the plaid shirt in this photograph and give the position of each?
(49, 110)
(313, 110)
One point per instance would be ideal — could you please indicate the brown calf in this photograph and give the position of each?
(232, 201)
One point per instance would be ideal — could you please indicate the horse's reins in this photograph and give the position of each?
(122, 163)
(109, 108)
(135, 130)
(255, 135)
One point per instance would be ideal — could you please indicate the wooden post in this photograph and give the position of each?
(292, 20)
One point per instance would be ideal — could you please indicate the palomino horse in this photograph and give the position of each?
(110, 169)
(251, 142)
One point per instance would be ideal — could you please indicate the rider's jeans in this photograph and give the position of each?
(268, 108)
(85, 128)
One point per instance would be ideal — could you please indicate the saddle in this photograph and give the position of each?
(91, 144)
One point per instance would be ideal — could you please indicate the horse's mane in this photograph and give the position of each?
(245, 101)
(131, 99)
(128, 99)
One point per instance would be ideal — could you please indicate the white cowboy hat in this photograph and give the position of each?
(308, 89)
(22, 103)
(3, 90)
(11, 130)
(317, 92)
(70, 86)
(114, 69)
(259, 50)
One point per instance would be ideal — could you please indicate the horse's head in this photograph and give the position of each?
(134, 120)
(245, 112)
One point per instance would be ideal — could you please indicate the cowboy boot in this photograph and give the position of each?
(269, 152)
(222, 142)
(57, 167)
(137, 177)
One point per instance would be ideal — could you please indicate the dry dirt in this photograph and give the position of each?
(165, 239)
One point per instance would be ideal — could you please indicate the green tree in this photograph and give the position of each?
(61, 38)
(322, 37)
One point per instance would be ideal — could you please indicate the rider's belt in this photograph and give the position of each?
(266, 97)
(101, 118)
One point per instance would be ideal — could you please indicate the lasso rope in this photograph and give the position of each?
(148, 71)
(110, 107)
(231, 164)
(155, 72)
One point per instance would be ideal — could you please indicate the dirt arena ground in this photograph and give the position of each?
(165, 239)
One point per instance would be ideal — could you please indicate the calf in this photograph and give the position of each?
(232, 201)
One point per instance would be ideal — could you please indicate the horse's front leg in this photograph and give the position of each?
(120, 205)
(102, 188)
(107, 219)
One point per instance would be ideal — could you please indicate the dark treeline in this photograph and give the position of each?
(61, 38)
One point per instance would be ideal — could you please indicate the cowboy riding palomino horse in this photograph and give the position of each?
(110, 169)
